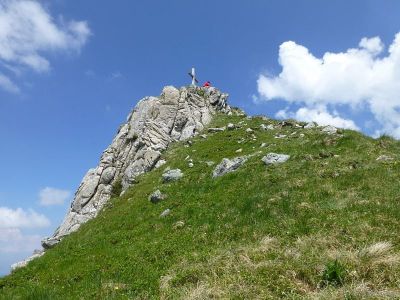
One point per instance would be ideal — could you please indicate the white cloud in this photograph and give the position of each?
(7, 84)
(319, 115)
(12, 240)
(52, 196)
(362, 77)
(19, 218)
(28, 32)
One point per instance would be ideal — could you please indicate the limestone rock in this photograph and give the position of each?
(154, 123)
(25, 262)
(228, 165)
(274, 158)
(160, 163)
(329, 129)
(165, 213)
(156, 197)
(384, 158)
(310, 125)
(230, 126)
(172, 175)
(216, 129)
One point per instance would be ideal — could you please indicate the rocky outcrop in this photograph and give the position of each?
(154, 123)
(228, 165)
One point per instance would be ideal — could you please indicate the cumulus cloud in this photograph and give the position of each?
(12, 240)
(28, 32)
(319, 115)
(52, 196)
(359, 78)
(20, 218)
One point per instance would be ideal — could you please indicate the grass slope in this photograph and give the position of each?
(323, 225)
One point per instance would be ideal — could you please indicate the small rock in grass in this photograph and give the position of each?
(263, 145)
(210, 163)
(165, 213)
(329, 129)
(217, 129)
(280, 136)
(230, 126)
(172, 175)
(160, 163)
(310, 125)
(228, 165)
(263, 127)
(239, 150)
(274, 158)
(190, 165)
(384, 158)
(204, 136)
(249, 130)
(156, 197)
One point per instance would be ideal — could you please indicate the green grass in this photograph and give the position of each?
(258, 233)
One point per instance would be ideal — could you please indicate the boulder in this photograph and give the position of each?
(172, 175)
(228, 165)
(274, 158)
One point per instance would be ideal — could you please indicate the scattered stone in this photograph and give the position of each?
(249, 130)
(228, 165)
(160, 163)
(301, 135)
(384, 158)
(190, 143)
(187, 157)
(329, 129)
(310, 125)
(274, 158)
(165, 213)
(239, 150)
(216, 129)
(263, 127)
(263, 145)
(190, 165)
(172, 175)
(156, 197)
(270, 127)
(230, 126)
(210, 163)
(204, 136)
(280, 136)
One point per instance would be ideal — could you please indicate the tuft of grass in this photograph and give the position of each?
(334, 274)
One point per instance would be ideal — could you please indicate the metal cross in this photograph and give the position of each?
(193, 75)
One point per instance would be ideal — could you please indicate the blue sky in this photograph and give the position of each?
(62, 99)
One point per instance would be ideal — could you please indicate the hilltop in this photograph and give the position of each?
(261, 209)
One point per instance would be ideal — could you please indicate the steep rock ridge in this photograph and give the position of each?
(154, 123)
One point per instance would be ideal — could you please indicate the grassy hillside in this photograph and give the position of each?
(323, 225)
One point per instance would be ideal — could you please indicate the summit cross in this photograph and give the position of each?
(193, 75)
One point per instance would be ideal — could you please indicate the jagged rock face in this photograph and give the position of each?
(153, 124)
